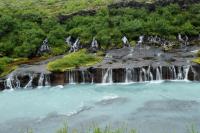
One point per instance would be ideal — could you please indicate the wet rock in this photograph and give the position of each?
(57, 79)
(2, 85)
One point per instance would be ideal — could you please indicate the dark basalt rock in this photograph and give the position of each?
(57, 79)
(2, 85)
(152, 6)
(119, 75)
(132, 4)
(62, 17)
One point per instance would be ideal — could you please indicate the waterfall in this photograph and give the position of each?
(83, 76)
(143, 75)
(107, 78)
(47, 80)
(41, 80)
(92, 82)
(129, 76)
(149, 73)
(29, 84)
(173, 69)
(8, 82)
(17, 82)
(180, 74)
(159, 73)
(71, 77)
(186, 72)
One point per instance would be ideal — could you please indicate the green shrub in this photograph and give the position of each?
(23, 29)
(58, 50)
(4, 61)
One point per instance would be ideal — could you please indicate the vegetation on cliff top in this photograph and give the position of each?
(74, 60)
(23, 27)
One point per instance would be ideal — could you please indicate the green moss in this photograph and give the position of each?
(197, 60)
(8, 70)
(74, 60)
(198, 53)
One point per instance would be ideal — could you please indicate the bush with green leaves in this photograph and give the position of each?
(22, 31)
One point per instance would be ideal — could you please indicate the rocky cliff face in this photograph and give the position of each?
(104, 75)
(139, 64)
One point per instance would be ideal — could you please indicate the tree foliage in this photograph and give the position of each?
(22, 31)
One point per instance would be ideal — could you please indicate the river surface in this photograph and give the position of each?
(167, 107)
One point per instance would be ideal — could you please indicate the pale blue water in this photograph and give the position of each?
(149, 107)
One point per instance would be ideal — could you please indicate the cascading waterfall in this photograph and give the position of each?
(107, 78)
(186, 72)
(158, 73)
(83, 76)
(149, 73)
(41, 80)
(173, 72)
(29, 84)
(8, 82)
(92, 82)
(71, 77)
(180, 74)
(18, 85)
(47, 80)
(129, 76)
(143, 75)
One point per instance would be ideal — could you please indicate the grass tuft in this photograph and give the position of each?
(74, 60)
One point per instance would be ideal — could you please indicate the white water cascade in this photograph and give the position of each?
(83, 76)
(47, 80)
(149, 73)
(159, 73)
(29, 84)
(41, 80)
(129, 75)
(8, 82)
(12, 82)
(180, 74)
(186, 72)
(108, 77)
(17, 82)
(173, 72)
(126, 75)
(71, 77)
(143, 75)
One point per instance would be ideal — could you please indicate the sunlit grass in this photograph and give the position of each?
(107, 129)
(53, 6)
(197, 60)
(74, 60)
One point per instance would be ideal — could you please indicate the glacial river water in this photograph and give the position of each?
(167, 107)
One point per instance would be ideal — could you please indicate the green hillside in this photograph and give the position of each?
(53, 7)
